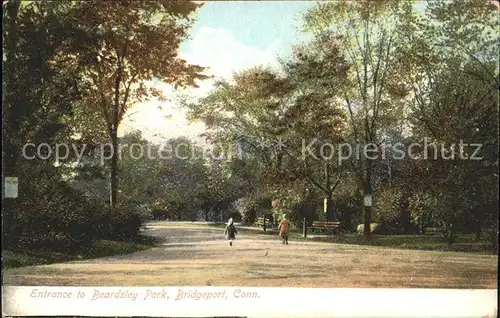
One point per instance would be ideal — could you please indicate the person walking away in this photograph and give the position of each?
(271, 221)
(283, 229)
(230, 231)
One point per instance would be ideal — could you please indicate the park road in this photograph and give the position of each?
(199, 256)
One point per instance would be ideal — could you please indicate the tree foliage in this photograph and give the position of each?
(382, 72)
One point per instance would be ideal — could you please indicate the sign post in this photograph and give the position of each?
(304, 227)
(11, 187)
(368, 200)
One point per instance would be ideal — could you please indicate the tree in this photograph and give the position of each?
(270, 116)
(38, 96)
(371, 37)
(217, 190)
(318, 72)
(32, 105)
(454, 99)
(176, 176)
(130, 43)
(459, 108)
(37, 93)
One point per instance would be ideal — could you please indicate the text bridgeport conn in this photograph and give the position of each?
(195, 294)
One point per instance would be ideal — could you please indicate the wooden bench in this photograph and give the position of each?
(325, 225)
(433, 230)
(260, 222)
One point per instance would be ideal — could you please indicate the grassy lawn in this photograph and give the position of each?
(100, 248)
(463, 243)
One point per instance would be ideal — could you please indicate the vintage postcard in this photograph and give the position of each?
(250, 158)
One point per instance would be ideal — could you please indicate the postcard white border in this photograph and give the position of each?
(261, 302)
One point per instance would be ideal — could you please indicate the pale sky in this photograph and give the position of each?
(227, 37)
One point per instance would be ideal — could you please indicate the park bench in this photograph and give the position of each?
(325, 225)
(433, 230)
(260, 223)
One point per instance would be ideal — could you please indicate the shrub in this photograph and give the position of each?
(348, 208)
(247, 208)
(159, 214)
(57, 219)
(123, 223)
(53, 216)
(394, 212)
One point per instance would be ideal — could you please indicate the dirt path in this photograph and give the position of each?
(199, 256)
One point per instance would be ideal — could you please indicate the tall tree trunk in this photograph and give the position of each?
(478, 233)
(329, 194)
(329, 207)
(368, 192)
(114, 170)
(479, 221)
(114, 133)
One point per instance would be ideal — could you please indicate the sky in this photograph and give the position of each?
(227, 37)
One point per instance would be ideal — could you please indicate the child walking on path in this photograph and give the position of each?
(283, 228)
(230, 231)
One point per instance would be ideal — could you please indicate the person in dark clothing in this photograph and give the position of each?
(230, 232)
(271, 220)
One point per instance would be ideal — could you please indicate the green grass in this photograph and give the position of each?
(463, 243)
(100, 248)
